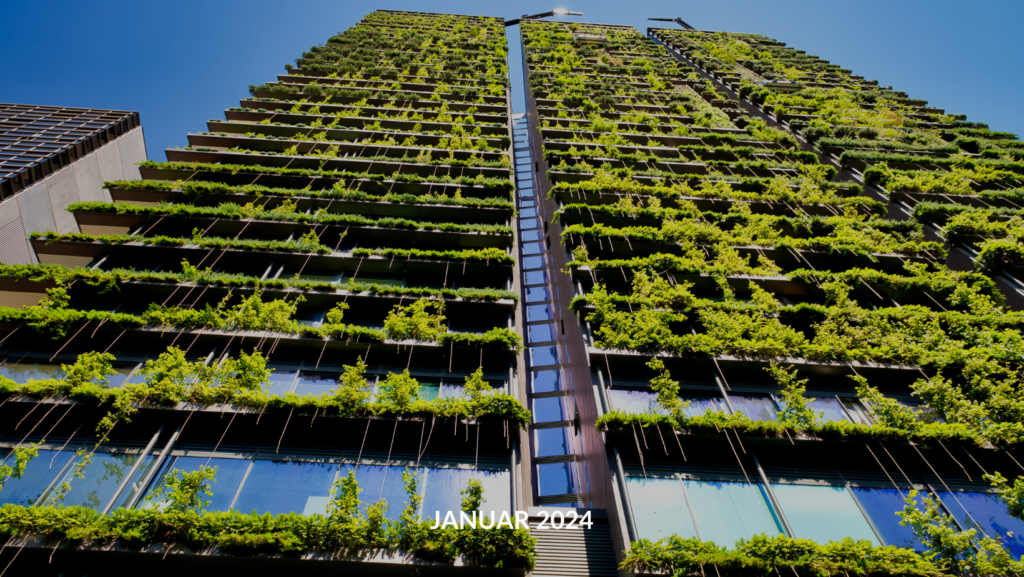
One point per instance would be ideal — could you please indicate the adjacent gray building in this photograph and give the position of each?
(52, 156)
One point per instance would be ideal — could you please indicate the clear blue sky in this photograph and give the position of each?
(180, 63)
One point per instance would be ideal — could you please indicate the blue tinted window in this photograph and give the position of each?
(548, 409)
(430, 390)
(444, 486)
(698, 405)
(554, 479)
(531, 248)
(537, 294)
(224, 486)
(552, 442)
(280, 381)
(536, 277)
(529, 223)
(635, 401)
(315, 383)
(539, 313)
(541, 333)
(38, 474)
(531, 235)
(986, 510)
(528, 213)
(278, 487)
(382, 482)
(540, 356)
(102, 478)
(532, 262)
(881, 506)
(757, 407)
(830, 408)
(546, 381)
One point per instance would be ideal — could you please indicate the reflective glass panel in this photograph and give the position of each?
(536, 277)
(444, 487)
(382, 482)
(881, 506)
(224, 486)
(102, 478)
(22, 372)
(727, 512)
(39, 472)
(554, 479)
(546, 381)
(538, 294)
(280, 381)
(547, 409)
(278, 487)
(986, 510)
(539, 313)
(757, 407)
(822, 513)
(829, 407)
(659, 508)
(315, 383)
(552, 442)
(541, 333)
(540, 356)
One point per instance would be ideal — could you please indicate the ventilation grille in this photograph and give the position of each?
(13, 246)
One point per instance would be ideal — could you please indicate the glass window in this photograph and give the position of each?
(858, 411)
(531, 248)
(635, 401)
(822, 513)
(546, 381)
(539, 313)
(102, 478)
(538, 294)
(430, 390)
(532, 262)
(728, 511)
(536, 277)
(230, 473)
(525, 223)
(757, 407)
(541, 333)
(701, 404)
(554, 479)
(530, 235)
(986, 510)
(280, 380)
(540, 356)
(547, 409)
(382, 482)
(881, 506)
(829, 407)
(38, 474)
(310, 383)
(22, 372)
(552, 442)
(120, 378)
(278, 487)
(659, 508)
(443, 489)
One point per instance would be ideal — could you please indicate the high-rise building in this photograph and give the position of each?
(781, 286)
(53, 156)
(707, 289)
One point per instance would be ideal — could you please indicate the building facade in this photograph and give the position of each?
(707, 289)
(51, 157)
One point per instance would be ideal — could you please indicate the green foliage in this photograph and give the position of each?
(764, 555)
(416, 322)
(953, 551)
(795, 412)
(667, 389)
(1011, 496)
(472, 496)
(398, 392)
(184, 491)
(23, 454)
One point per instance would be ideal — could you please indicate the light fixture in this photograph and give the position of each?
(555, 12)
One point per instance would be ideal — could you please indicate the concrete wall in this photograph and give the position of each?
(41, 207)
